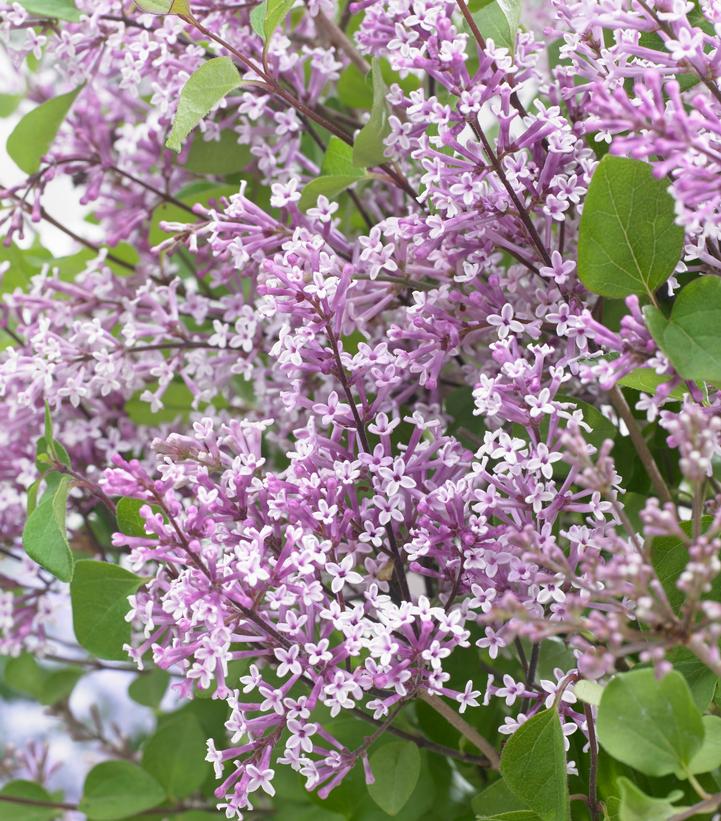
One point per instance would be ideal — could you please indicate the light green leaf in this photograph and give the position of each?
(26, 676)
(44, 535)
(330, 187)
(691, 336)
(117, 789)
(396, 767)
(496, 799)
(149, 688)
(647, 380)
(175, 756)
(629, 242)
(650, 724)
(99, 597)
(338, 160)
(204, 89)
(127, 514)
(218, 157)
(9, 103)
(267, 16)
(54, 9)
(32, 137)
(589, 691)
(533, 765)
(179, 7)
(637, 806)
(500, 21)
(26, 812)
(709, 756)
(369, 148)
(513, 815)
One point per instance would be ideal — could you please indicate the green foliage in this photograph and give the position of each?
(669, 556)
(30, 791)
(218, 157)
(267, 16)
(533, 765)
(396, 767)
(500, 21)
(99, 596)
(118, 789)
(691, 336)
(709, 756)
(204, 89)
(496, 799)
(331, 187)
(44, 535)
(127, 513)
(47, 686)
(369, 148)
(628, 241)
(149, 688)
(32, 137)
(53, 9)
(175, 756)
(650, 724)
(637, 806)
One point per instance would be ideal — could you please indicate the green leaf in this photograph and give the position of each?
(646, 380)
(44, 536)
(589, 691)
(175, 756)
(338, 160)
(99, 597)
(396, 767)
(117, 789)
(637, 806)
(709, 756)
(331, 187)
(701, 680)
(180, 7)
(691, 336)
(629, 242)
(496, 799)
(9, 103)
(218, 157)
(25, 675)
(500, 21)
(127, 514)
(204, 89)
(513, 815)
(32, 137)
(533, 765)
(669, 556)
(369, 148)
(26, 812)
(55, 9)
(650, 724)
(267, 16)
(149, 688)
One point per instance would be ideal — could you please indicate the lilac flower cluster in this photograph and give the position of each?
(398, 442)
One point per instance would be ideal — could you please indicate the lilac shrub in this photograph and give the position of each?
(382, 421)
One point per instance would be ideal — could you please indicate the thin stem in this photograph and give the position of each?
(463, 727)
(63, 805)
(707, 805)
(619, 403)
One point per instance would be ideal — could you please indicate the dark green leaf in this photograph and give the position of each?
(369, 148)
(127, 513)
(149, 688)
(533, 765)
(54, 9)
(175, 755)
(496, 799)
(396, 767)
(629, 242)
(25, 675)
(691, 336)
(513, 815)
(637, 806)
(32, 137)
(650, 724)
(218, 157)
(204, 89)
(99, 596)
(701, 681)
(117, 789)
(44, 536)
(669, 556)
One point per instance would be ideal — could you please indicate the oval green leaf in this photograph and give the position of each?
(628, 242)
(117, 789)
(396, 767)
(44, 535)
